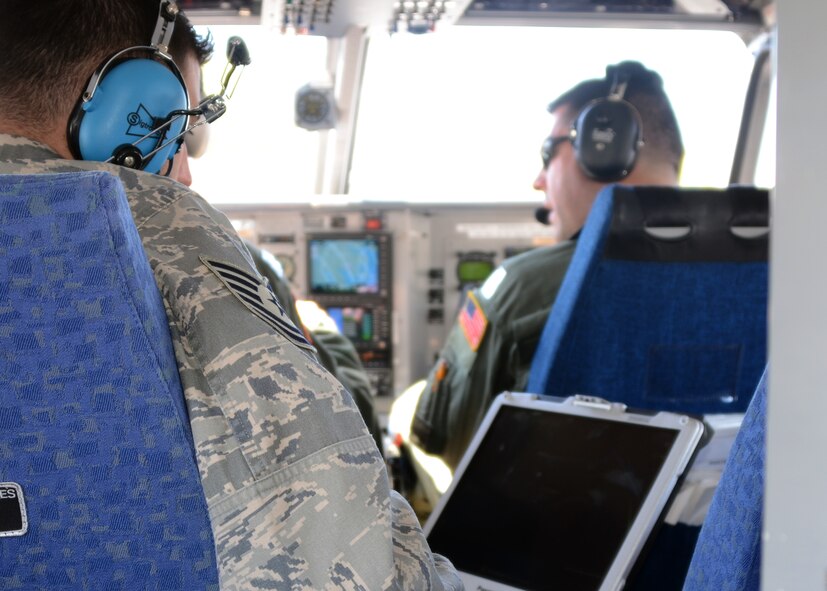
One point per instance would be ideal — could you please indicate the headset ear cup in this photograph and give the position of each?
(128, 102)
(607, 139)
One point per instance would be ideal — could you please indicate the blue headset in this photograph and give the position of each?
(134, 109)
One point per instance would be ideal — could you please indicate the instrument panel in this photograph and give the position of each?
(391, 276)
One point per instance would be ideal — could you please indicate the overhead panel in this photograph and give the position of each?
(727, 14)
(332, 18)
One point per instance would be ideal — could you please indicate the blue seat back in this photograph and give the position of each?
(664, 303)
(728, 552)
(93, 425)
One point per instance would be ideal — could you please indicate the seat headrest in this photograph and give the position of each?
(688, 225)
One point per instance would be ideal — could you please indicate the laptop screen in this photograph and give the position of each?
(548, 498)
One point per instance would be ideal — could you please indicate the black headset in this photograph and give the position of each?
(135, 106)
(607, 134)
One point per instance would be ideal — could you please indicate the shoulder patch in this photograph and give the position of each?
(473, 322)
(489, 288)
(258, 297)
(13, 521)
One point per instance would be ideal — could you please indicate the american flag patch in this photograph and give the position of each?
(257, 296)
(472, 320)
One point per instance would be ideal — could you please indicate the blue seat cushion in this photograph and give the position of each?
(728, 552)
(93, 425)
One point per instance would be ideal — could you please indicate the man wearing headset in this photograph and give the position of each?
(297, 491)
(493, 352)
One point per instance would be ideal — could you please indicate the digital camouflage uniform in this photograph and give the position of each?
(489, 349)
(334, 350)
(297, 491)
(339, 356)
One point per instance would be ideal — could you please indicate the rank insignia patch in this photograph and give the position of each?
(13, 521)
(257, 296)
(472, 320)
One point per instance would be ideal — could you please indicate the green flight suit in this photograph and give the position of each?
(489, 349)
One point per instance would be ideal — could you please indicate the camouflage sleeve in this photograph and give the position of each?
(339, 356)
(408, 544)
(297, 490)
(335, 351)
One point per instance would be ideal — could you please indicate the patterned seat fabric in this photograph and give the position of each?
(728, 554)
(93, 426)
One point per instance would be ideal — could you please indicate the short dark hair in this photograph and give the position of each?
(644, 90)
(51, 47)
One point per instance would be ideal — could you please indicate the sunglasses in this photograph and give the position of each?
(549, 149)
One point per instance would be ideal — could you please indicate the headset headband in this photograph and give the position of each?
(159, 46)
(619, 83)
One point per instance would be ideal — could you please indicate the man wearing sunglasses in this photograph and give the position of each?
(490, 347)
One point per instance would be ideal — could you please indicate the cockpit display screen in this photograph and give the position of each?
(344, 265)
(354, 322)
